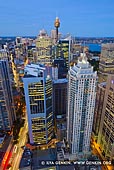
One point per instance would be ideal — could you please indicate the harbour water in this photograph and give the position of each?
(94, 47)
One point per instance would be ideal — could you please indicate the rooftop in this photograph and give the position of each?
(103, 84)
(43, 155)
(60, 81)
(82, 61)
(34, 70)
(107, 62)
(35, 66)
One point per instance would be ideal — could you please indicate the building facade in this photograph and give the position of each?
(106, 66)
(38, 96)
(7, 111)
(31, 53)
(81, 102)
(63, 51)
(53, 36)
(60, 97)
(60, 64)
(100, 96)
(43, 48)
(107, 50)
(106, 129)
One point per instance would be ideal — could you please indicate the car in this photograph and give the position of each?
(27, 150)
(26, 153)
(29, 153)
(26, 162)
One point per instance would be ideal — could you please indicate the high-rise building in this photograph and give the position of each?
(100, 96)
(31, 53)
(81, 102)
(18, 40)
(106, 129)
(107, 50)
(60, 97)
(61, 65)
(106, 66)
(54, 72)
(3, 53)
(44, 48)
(60, 106)
(38, 97)
(7, 111)
(53, 36)
(63, 51)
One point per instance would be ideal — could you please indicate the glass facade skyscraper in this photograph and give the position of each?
(63, 51)
(38, 96)
(7, 111)
(44, 48)
(81, 103)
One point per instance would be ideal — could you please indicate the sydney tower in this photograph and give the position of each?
(57, 25)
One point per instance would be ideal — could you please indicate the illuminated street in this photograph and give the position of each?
(16, 76)
(22, 141)
(96, 151)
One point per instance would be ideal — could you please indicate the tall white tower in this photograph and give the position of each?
(81, 102)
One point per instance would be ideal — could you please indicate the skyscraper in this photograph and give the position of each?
(53, 36)
(7, 112)
(59, 106)
(38, 97)
(106, 128)
(60, 97)
(100, 96)
(61, 65)
(81, 102)
(63, 51)
(43, 48)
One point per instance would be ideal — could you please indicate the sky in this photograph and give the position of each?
(85, 18)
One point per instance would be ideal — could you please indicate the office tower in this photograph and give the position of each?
(54, 72)
(106, 129)
(107, 51)
(106, 66)
(81, 102)
(3, 54)
(7, 112)
(18, 40)
(44, 48)
(61, 65)
(59, 106)
(31, 53)
(57, 25)
(60, 97)
(38, 97)
(53, 36)
(63, 51)
(100, 96)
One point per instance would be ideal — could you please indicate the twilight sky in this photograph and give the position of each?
(78, 17)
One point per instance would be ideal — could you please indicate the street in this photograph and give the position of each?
(96, 151)
(22, 141)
